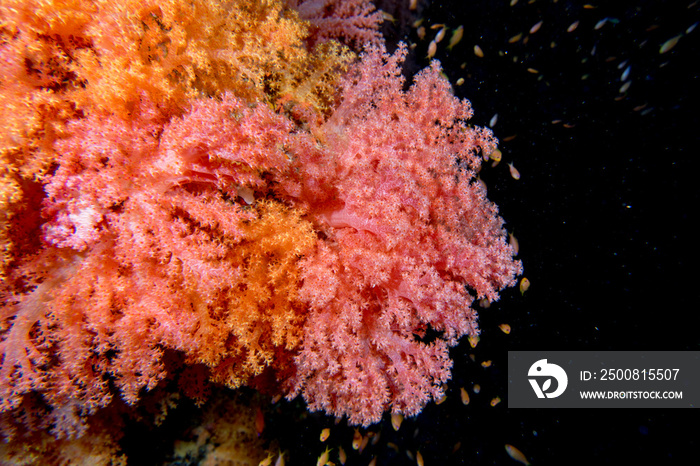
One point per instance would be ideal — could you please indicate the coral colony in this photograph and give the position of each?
(224, 192)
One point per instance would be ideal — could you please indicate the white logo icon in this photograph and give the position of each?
(543, 369)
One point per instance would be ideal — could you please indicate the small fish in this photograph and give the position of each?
(388, 17)
(432, 49)
(514, 172)
(536, 27)
(325, 433)
(396, 420)
(323, 459)
(524, 285)
(625, 87)
(456, 37)
(625, 74)
(495, 401)
(493, 121)
(342, 456)
(516, 454)
(600, 24)
(478, 52)
(465, 396)
(513, 241)
(245, 193)
(572, 27)
(473, 340)
(505, 328)
(413, 4)
(669, 44)
(440, 35)
(460, 81)
(267, 461)
(515, 38)
(419, 458)
(421, 32)
(259, 421)
(356, 440)
(496, 156)
(476, 388)
(486, 364)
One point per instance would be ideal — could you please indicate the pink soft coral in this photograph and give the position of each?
(353, 22)
(407, 234)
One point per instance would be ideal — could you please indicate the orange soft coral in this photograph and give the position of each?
(103, 54)
(66, 59)
(150, 248)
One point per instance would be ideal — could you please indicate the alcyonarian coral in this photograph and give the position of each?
(152, 246)
(408, 236)
(205, 192)
(65, 59)
(354, 22)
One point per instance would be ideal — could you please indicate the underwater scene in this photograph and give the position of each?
(298, 232)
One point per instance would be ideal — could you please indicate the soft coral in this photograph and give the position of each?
(406, 233)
